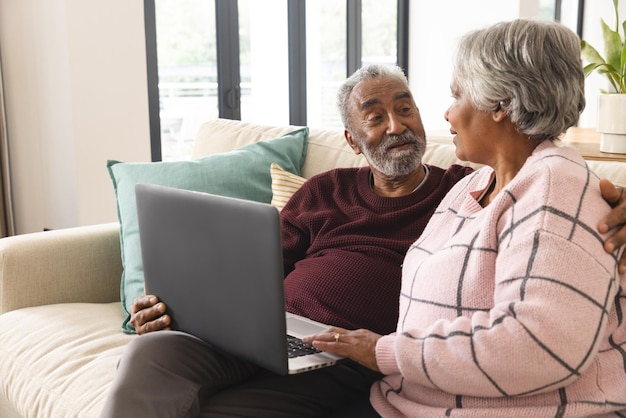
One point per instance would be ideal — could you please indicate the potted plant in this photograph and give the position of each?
(612, 102)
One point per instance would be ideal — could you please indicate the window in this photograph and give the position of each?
(280, 62)
(326, 59)
(187, 71)
(275, 62)
(264, 64)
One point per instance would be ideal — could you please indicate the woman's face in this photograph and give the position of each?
(472, 128)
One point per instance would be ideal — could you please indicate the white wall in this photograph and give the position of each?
(75, 84)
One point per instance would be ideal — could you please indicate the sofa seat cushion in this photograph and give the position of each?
(59, 360)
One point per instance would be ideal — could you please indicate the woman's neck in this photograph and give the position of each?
(507, 162)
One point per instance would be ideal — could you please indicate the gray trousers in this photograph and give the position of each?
(173, 374)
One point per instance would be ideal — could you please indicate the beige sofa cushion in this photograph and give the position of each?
(59, 360)
(329, 149)
(239, 134)
(326, 149)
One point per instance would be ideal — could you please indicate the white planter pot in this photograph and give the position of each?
(612, 123)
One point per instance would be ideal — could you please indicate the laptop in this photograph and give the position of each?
(216, 262)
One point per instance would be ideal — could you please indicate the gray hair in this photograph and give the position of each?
(362, 74)
(532, 69)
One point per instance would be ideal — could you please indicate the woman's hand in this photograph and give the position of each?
(358, 345)
(616, 197)
(148, 314)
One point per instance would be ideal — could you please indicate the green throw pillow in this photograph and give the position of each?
(243, 173)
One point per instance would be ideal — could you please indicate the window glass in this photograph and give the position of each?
(326, 64)
(186, 51)
(569, 11)
(326, 43)
(187, 72)
(379, 31)
(264, 61)
(546, 9)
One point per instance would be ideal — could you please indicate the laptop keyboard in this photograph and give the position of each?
(297, 348)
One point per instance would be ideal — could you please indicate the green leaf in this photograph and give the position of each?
(612, 46)
(613, 65)
(590, 68)
(590, 54)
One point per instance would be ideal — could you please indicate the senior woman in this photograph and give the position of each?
(509, 304)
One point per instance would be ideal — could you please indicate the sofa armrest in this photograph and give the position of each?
(81, 264)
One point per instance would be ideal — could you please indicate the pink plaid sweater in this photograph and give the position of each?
(513, 310)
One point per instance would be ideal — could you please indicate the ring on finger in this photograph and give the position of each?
(336, 335)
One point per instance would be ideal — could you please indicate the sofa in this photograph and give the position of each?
(61, 313)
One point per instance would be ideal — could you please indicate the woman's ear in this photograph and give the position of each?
(500, 113)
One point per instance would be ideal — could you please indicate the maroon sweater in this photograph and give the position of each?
(344, 245)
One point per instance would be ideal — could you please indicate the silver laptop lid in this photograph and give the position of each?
(216, 262)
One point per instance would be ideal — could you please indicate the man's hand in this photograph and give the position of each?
(148, 314)
(616, 197)
(358, 345)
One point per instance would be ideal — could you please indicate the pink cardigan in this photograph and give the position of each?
(513, 310)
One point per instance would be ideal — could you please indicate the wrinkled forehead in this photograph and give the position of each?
(380, 90)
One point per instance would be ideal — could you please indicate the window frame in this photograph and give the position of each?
(227, 38)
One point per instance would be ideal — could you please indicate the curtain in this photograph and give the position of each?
(7, 225)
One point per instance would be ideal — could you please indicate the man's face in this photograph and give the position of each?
(386, 126)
